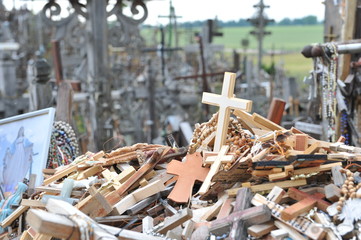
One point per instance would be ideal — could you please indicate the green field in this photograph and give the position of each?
(287, 41)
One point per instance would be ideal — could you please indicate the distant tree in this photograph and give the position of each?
(310, 20)
(285, 21)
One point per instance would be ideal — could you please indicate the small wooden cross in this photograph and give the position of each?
(188, 172)
(214, 169)
(305, 203)
(226, 101)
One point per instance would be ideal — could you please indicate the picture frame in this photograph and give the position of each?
(24, 147)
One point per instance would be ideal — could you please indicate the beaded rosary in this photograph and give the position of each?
(348, 190)
(329, 84)
(63, 145)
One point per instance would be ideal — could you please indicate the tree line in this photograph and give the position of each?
(308, 20)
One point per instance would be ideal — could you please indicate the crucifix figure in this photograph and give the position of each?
(226, 101)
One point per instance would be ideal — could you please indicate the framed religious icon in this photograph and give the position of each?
(24, 147)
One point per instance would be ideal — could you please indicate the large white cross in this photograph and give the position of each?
(226, 101)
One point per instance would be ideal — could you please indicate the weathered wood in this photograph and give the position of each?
(300, 224)
(267, 123)
(276, 109)
(347, 33)
(57, 191)
(226, 208)
(90, 172)
(147, 224)
(13, 216)
(321, 218)
(142, 204)
(260, 230)
(338, 177)
(32, 203)
(247, 217)
(225, 102)
(60, 226)
(175, 220)
(293, 233)
(236, 173)
(64, 102)
(214, 210)
(138, 195)
(332, 192)
(268, 186)
(69, 169)
(188, 229)
(243, 201)
(276, 194)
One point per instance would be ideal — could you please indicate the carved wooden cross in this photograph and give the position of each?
(188, 172)
(305, 203)
(242, 217)
(214, 169)
(226, 101)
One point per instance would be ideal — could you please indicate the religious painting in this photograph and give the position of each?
(24, 147)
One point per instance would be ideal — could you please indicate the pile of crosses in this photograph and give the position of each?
(241, 177)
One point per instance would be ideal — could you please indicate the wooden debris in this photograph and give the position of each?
(149, 189)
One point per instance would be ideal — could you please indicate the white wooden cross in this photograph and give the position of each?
(226, 101)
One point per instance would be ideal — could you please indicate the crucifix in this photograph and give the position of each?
(226, 101)
(188, 172)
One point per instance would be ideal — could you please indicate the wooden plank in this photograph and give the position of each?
(147, 224)
(57, 191)
(300, 224)
(138, 195)
(176, 220)
(214, 210)
(32, 203)
(57, 176)
(293, 233)
(248, 119)
(313, 148)
(276, 194)
(64, 208)
(276, 109)
(13, 216)
(268, 186)
(60, 226)
(298, 208)
(226, 208)
(267, 123)
(214, 169)
(321, 218)
(90, 172)
(260, 230)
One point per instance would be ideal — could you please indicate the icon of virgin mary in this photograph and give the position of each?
(17, 161)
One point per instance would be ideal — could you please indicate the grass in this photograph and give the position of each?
(287, 41)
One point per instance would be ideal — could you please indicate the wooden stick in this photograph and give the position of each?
(268, 186)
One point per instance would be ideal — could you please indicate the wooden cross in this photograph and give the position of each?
(214, 169)
(243, 216)
(305, 203)
(188, 172)
(226, 101)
